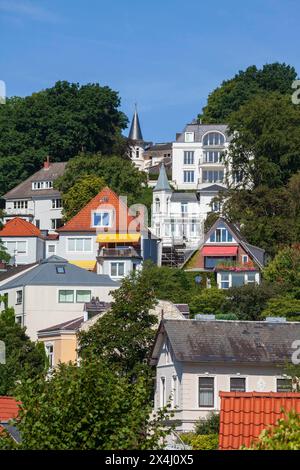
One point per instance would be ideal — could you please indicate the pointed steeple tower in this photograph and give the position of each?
(162, 182)
(135, 132)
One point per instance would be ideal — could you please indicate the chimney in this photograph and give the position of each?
(47, 163)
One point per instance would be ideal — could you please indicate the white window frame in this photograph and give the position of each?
(188, 174)
(188, 157)
(79, 251)
(51, 252)
(102, 211)
(213, 144)
(117, 263)
(246, 279)
(207, 376)
(223, 281)
(16, 252)
(245, 257)
(17, 301)
(55, 204)
(238, 376)
(189, 137)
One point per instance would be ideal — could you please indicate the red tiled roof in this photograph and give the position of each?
(219, 250)
(82, 222)
(9, 409)
(244, 415)
(20, 228)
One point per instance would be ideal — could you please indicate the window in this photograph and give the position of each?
(56, 203)
(224, 280)
(66, 296)
(20, 204)
(189, 136)
(157, 205)
(206, 392)
(216, 206)
(37, 223)
(188, 158)
(284, 385)
(237, 279)
(213, 139)
(184, 208)
(79, 245)
(17, 247)
(193, 227)
(163, 392)
(212, 156)
(19, 297)
(188, 176)
(168, 352)
(36, 185)
(60, 270)
(50, 354)
(83, 296)
(101, 219)
(245, 259)
(19, 320)
(251, 278)
(56, 223)
(237, 384)
(137, 153)
(221, 235)
(51, 249)
(117, 269)
(174, 393)
(213, 176)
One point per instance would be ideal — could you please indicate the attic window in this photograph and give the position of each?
(104, 199)
(60, 270)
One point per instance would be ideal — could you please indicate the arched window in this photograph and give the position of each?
(157, 205)
(213, 139)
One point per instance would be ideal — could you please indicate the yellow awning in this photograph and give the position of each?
(90, 265)
(118, 237)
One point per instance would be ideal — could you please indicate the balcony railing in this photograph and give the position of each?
(126, 252)
(12, 211)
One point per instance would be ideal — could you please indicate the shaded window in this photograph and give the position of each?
(206, 392)
(83, 296)
(225, 281)
(284, 385)
(66, 296)
(101, 219)
(188, 158)
(189, 176)
(237, 384)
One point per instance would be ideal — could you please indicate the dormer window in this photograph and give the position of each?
(213, 139)
(189, 137)
(37, 185)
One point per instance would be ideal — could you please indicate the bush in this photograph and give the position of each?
(201, 442)
(209, 425)
(284, 436)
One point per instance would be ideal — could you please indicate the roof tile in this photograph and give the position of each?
(18, 227)
(9, 408)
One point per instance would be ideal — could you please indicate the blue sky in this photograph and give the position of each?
(166, 55)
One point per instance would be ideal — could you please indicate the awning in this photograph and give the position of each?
(118, 237)
(89, 265)
(219, 251)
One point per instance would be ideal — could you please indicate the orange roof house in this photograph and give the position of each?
(244, 415)
(20, 228)
(9, 409)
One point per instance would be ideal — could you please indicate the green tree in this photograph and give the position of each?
(284, 269)
(60, 121)
(208, 301)
(284, 306)
(87, 407)
(233, 93)
(209, 425)
(284, 436)
(85, 189)
(24, 359)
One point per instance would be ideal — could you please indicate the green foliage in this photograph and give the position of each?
(284, 269)
(284, 306)
(284, 436)
(233, 93)
(119, 174)
(24, 359)
(201, 442)
(208, 301)
(123, 336)
(87, 407)
(209, 425)
(60, 121)
(80, 194)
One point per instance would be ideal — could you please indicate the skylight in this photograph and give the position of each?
(60, 270)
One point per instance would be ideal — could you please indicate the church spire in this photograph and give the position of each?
(162, 182)
(135, 132)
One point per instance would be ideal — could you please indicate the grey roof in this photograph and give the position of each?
(24, 189)
(135, 132)
(45, 274)
(68, 326)
(229, 341)
(162, 182)
(96, 306)
(184, 197)
(201, 129)
(184, 309)
(160, 147)
(13, 271)
(214, 188)
(12, 431)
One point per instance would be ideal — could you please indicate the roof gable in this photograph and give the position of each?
(18, 227)
(105, 199)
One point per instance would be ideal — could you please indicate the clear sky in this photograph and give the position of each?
(166, 55)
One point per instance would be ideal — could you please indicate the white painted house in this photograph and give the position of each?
(35, 199)
(197, 359)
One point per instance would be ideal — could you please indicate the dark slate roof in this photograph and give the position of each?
(135, 132)
(96, 306)
(214, 188)
(184, 309)
(162, 182)
(24, 190)
(184, 197)
(68, 326)
(229, 341)
(159, 147)
(12, 431)
(201, 129)
(45, 274)
(15, 270)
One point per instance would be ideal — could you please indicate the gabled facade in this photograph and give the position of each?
(197, 359)
(229, 255)
(35, 199)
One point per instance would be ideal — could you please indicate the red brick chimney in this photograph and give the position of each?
(47, 162)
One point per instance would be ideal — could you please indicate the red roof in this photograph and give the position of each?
(9, 409)
(244, 415)
(219, 250)
(106, 199)
(20, 228)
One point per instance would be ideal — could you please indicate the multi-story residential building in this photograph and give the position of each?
(198, 156)
(35, 199)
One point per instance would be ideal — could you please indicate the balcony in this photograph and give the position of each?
(16, 212)
(120, 252)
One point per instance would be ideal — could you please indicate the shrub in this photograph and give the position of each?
(201, 442)
(209, 425)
